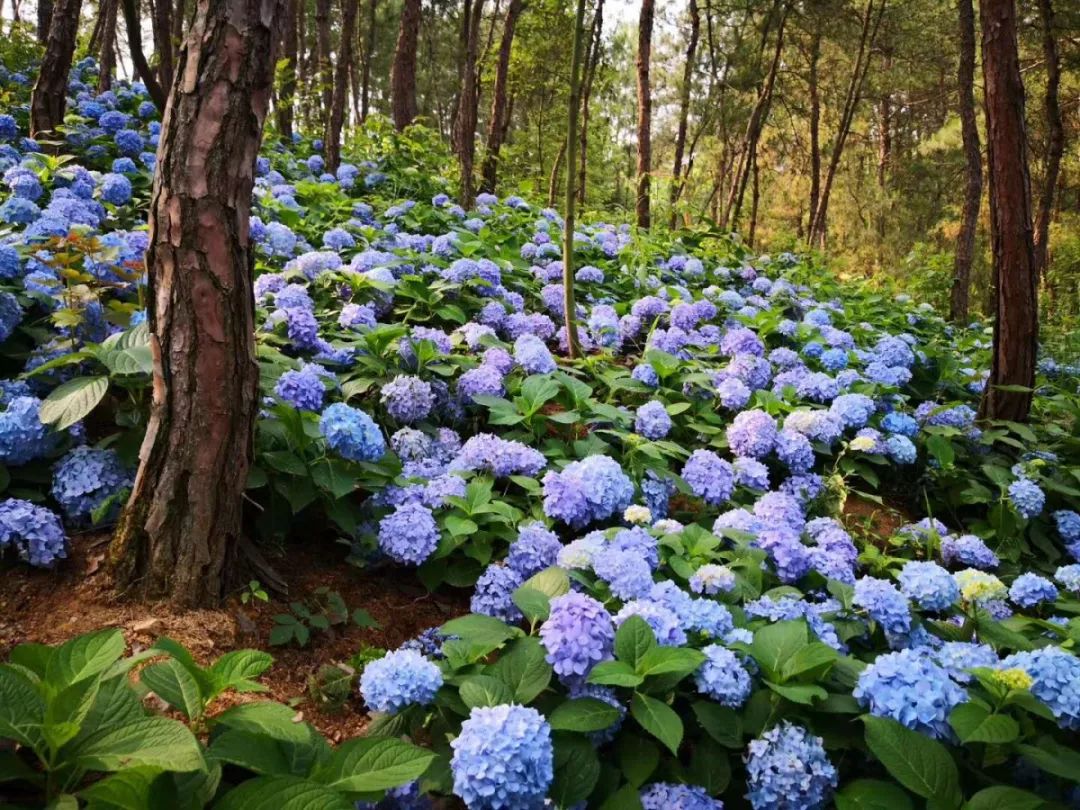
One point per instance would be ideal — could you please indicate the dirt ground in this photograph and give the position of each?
(52, 606)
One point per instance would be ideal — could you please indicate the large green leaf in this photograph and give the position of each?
(283, 793)
(721, 723)
(975, 724)
(22, 710)
(71, 401)
(84, 656)
(256, 753)
(658, 719)
(131, 789)
(524, 668)
(365, 765)
(236, 670)
(776, 644)
(577, 769)
(1052, 757)
(484, 690)
(171, 682)
(633, 639)
(670, 660)
(583, 715)
(872, 794)
(1003, 797)
(478, 629)
(920, 764)
(301, 744)
(153, 741)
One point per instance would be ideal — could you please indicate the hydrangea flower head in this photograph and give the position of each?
(712, 579)
(33, 531)
(911, 689)
(722, 677)
(85, 479)
(409, 534)
(1026, 496)
(351, 433)
(578, 634)
(408, 399)
(586, 491)
(398, 680)
(677, 796)
(1055, 680)
(788, 769)
(929, 585)
(1029, 590)
(710, 477)
(652, 420)
(503, 758)
(752, 433)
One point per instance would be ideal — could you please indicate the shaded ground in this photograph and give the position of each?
(52, 606)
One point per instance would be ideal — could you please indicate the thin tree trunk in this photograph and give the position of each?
(754, 199)
(573, 111)
(815, 125)
(885, 126)
(556, 172)
(403, 73)
(49, 97)
(644, 114)
(592, 59)
(181, 525)
(138, 58)
(336, 119)
(44, 18)
(1016, 326)
(684, 108)
(107, 55)
(499, 120)
(325, 66)
(1055, 146)
(179, 19)
(286, 98)
(965, 241)
(354, 71)
(303, 61)
(465, 129)
(870, 25)
(161, 25)
(369, 50)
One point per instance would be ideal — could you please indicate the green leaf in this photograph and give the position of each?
(235, 670)
(670, 660)
(638, 758)
(625, 798)
(256, 753)
(524, 668)
(775, 644)
(364, 765)
(283, 793)
(551, 582)
(71, 401)
(920, 764)
(478, 629)
(1003, 797)
(720, 722)
(633, 639)
(577, 768)
(941, 449)
(1054, 758)
(658, 719)
(614, 673)
(130, 789)
(812, 661)
(174, 684)
(154, 741)
(22, 711)
(804, 693)
(872, 794)
(974, 723)
(301, 744)
(534, 605)
(84, 656)
(484, 690)
(460, 527)
(583, 714)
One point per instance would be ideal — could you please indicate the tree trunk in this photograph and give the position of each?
(556, 171)
(369, 50)
(107, 54)
(1016, 326)
(49, 98)
(325, 66)
(403, 73)
(1055, 146)
(286, 97)
(179, 18)
(885, 127)
(161, 25)
(965, 241)
(815, 125)
(573, 111)
(465, 121)
(684, 108)
(499, 121)
(303, 62)
(644, 113)
(870, 25)
(44, 18)
(138, 58)
(755, 197)
(592, 58)
(181, 524)
(349, 9)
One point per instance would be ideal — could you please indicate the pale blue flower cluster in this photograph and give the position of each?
(787, 769)
(722, 677)
(578, 634)
(503, 759)
(351, 433)
(1030, 590)
(85, 479)
(1056, 681)
(587, 491)
(398, 680)
(911, 689)
(929, 585)
(677, 796)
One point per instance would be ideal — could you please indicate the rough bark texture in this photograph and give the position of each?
(1016, 326)
(870, 25)
(965, 241)
(325, 67)
(1055, 146)
(570, 200)
(349, 9)
(465, 121)
(107, 52)
(138, 58)
(403, 72)
(50, 91)
(163, 45)
(499, 121)
(180, 526)
(684, 108)
(644, 115)
(286, 100)
(44, 18)
(369, 50)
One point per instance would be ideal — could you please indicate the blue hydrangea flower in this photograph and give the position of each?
(752, 433)
(409, 534)
(503, 759)
(351, 433)
(493, 594)
(854, 410)
(664, 623)
(535, 549)
(532, 354)
(911, 689)
(722, 677)
(787, 769)
(884, 603)
(749, 472)
(115, 189)
(86, 478)
(675, 796)
(1029, 590)
(586, 491)
(303, 389)
(710, 477)
(33, 531)
(484, 380)
(646, 375)
(626, 573)
(408, 399)
(1055, 676)
(1068, 525)
(1026, 496)
(1069, 577)
(22, 436)
(712, 579)
(398, 680)
(578, 634)
(967, 549)
(957, 657)
(652, 420)
(929, 585)
(486, 452)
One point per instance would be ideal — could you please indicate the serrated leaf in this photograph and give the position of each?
(484, 690)
(577, 769)
(975, 724)
(152, 741)
(524, 668)
(235, 670)
(659, 719)
(171, 682)
(84, 656)
(583, 715)
(920, 764)
(633, 639)
(872, 794)
(71, 401)
(366, 765)
(614, 673)
(283, 793)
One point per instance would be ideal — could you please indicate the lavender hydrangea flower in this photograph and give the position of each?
(409, 534)
(664, 623)
(1026, 496)
(752, 433)
(652, 420)
(532, 354)
(493, 595)
(722, 677)
(710, 477)
(535, 549)
(884, 603)
(486, 452)
(408, 399)
(1055, 676)
(586, 491)
(578, 634)
(503, 758)
(303, 389)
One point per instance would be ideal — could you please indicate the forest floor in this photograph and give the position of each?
(50, 607)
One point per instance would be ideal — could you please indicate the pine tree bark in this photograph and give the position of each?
(965, 241)
(49, 98)
(44, 19)
(684, 109)
(369, 50)
(349, 9)
(644, 113)
(1055, 145)
(403, 72)
(286, 99)
(162, 30)
(180, 527)
(138, 58)
(107, 53)
(1016, 325)
(465, 121)
(498, 120)
(325, 67)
